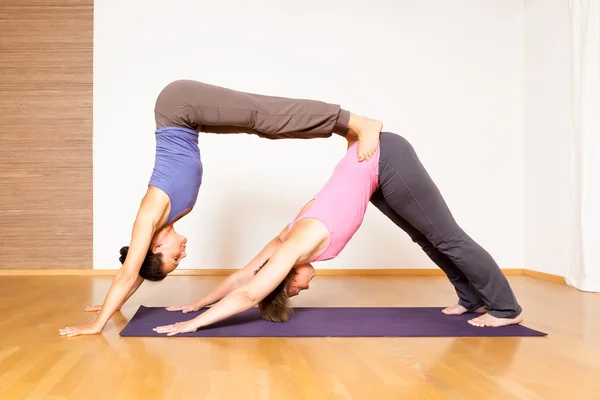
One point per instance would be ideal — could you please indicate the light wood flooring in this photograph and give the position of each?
(37, 363)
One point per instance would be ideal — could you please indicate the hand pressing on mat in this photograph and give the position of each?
(180, 327)
(191, 307)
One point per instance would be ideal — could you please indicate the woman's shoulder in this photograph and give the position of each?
(155, 204)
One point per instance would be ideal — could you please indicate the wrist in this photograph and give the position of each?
(197, 322)
(201, 304)
(99, 323)
(97, 327)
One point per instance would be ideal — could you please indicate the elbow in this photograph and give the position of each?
(125, 278)
(248, 299)
(238, 279)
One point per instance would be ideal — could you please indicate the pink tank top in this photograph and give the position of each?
(342, 203)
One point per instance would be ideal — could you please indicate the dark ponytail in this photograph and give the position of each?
(151, 267)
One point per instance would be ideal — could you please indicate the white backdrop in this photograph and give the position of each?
(584, 270)
(446, 75)
(548, 192)
(562, 139)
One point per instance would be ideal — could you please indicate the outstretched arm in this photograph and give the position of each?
(235, 280)
(151, 211)
(295, 249)
(135, 287)
(245, 297)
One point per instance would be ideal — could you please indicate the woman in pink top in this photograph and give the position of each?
(395, 182)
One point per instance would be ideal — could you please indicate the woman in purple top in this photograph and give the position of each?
(183, 109)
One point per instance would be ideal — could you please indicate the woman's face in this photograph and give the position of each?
(172, 246)
(301, 281)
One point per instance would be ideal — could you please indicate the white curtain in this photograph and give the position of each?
(584, 270)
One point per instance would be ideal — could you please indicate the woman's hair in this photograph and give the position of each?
(151, 267)
(276, 306)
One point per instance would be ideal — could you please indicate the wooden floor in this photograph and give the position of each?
(37, 363)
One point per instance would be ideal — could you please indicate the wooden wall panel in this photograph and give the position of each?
(46, 52)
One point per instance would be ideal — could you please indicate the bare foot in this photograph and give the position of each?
(486, 320)
(457, 309)
(367, 132)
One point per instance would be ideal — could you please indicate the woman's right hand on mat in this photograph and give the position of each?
(186, 308)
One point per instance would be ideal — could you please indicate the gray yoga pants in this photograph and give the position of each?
(408, 196)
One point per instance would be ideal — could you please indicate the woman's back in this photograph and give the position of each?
(342, 202)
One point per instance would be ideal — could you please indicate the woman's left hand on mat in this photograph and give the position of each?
(180, 327)
(191, 307)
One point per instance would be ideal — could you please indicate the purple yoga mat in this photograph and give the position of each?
(327, 322)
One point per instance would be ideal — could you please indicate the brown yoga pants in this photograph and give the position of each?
(208, 108)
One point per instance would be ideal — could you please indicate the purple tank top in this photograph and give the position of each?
(177, 168)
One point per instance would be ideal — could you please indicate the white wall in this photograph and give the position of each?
(446, 75)
(548, 219)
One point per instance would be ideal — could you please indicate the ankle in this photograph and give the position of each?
(354, 123)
